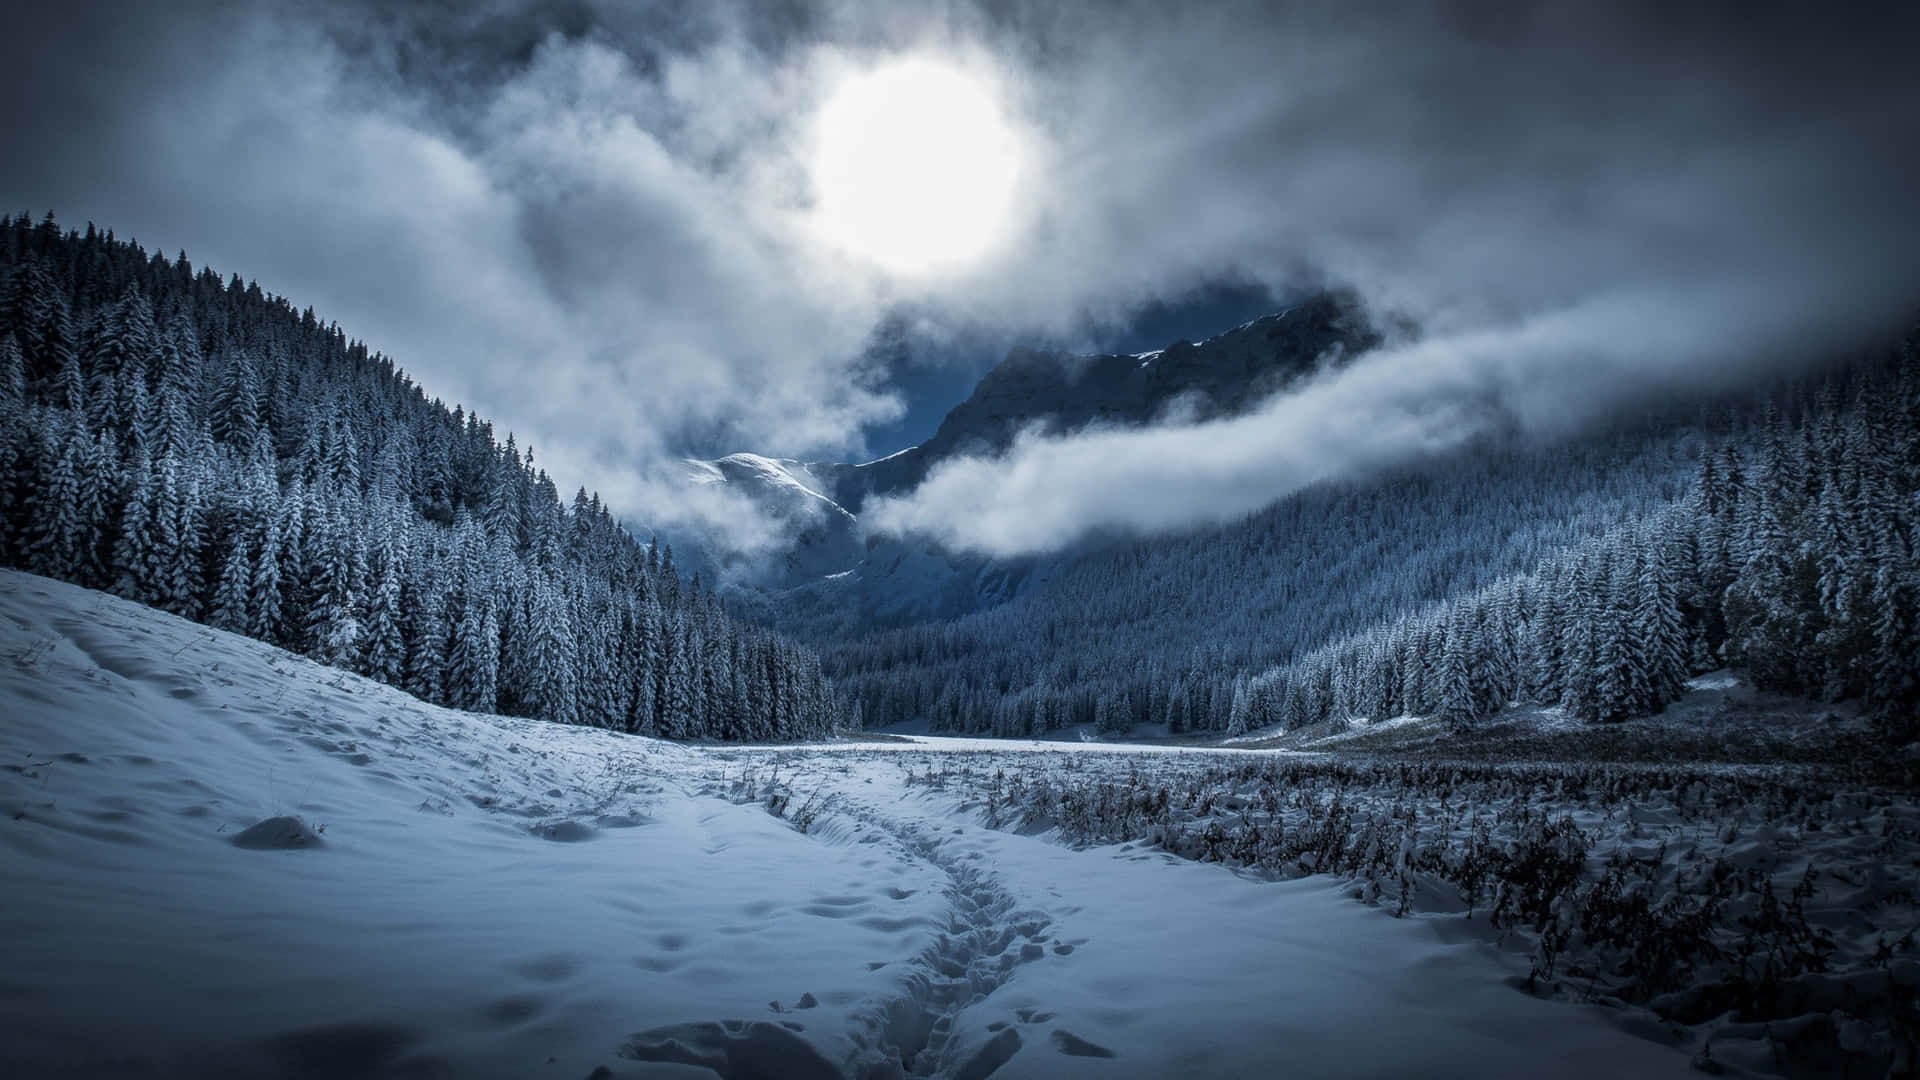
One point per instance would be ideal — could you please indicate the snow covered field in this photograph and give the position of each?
(480, 896)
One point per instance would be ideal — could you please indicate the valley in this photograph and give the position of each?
(972, 540)
(483, 896)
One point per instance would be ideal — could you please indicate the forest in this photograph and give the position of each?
(203, 447)
(1772, 533)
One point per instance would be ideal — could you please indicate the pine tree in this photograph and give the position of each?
(1657, 627)
(1620, 689)
(13, 375)
(1893, 683)
(1179, 709)
(553, 666)
(1544, 660)
(132, 569)
(69, 388)
(643, 666)
(54, 548)
(119, 353)
(427, 649)
(98, 506)
(1457, 705)
(1237, 713)
(177, 358)
(231, 595)
(474, 663)
(177, 526)
(264, 608)
(677, 689)
(1580, 639)
(386, 649)
(334, 631)
(235, 415)
(36, 314)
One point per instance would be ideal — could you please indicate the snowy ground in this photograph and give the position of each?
(489, 897)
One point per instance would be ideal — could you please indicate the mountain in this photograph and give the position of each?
(828, 574)
(208, 449)
(1774, 532)
(818, 536)
(1224, 375)
(1509, 571)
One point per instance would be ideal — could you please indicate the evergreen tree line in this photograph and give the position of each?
(1599, 576)
(1791, 559)
(200, 446)
(1159, 630)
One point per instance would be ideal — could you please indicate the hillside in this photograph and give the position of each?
(1770, 529)
(206, 448)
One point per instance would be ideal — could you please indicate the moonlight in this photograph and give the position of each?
(914, 167)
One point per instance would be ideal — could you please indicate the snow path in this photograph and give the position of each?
(1124, 961)
(496, 897)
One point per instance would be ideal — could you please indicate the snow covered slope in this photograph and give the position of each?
(489, 895)
(821, 537)
(472, 896)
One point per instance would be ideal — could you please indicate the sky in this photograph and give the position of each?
(599, 223)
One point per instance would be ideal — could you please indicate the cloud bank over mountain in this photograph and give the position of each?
(590, 221)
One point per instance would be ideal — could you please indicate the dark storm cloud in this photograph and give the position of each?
(1579, 205)
(592, 243)
(587, 219)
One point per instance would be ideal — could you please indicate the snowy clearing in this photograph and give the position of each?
(473, 896)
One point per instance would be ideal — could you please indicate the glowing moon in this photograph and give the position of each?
(914, 167)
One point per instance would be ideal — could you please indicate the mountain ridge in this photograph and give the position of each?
(818, 504)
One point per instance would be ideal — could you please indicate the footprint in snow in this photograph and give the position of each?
(1074, 1046)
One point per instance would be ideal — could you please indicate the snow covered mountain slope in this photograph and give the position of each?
(905, 580)
(460, 895)
(1223, 375)
(821, 537)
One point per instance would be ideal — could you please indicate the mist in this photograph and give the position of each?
(1577, 211)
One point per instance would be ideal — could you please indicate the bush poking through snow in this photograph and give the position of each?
(773, 790)
(284, 833)
(1771, 905)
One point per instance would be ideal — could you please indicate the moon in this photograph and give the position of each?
(915, 167)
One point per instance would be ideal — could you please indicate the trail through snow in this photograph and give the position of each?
(473, 896)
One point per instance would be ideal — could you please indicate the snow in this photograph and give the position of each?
(477, 896)
(438, 921)
(1718, 680)
(1179, 969)
(704, 472)
(888, 457)
(1361, 727)
(903, 739)
(780, 475)
(788, 476)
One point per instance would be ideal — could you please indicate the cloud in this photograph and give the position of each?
(589, 220)
(1581, 206)
(598, 250)
(1545, 375)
